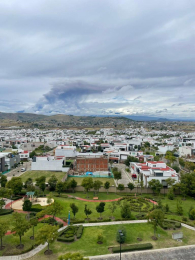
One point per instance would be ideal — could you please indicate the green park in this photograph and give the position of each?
(149, 220)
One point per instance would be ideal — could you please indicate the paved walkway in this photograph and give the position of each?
(173, 253)
(125, 176)
(113, 223)
(93, 200)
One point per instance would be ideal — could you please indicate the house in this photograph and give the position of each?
(153, 170)
(24, 155)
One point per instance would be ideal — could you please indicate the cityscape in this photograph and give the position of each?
(97, 130)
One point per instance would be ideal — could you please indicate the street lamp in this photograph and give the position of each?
(121, 236)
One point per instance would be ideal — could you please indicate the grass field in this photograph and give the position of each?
(103, 180)
(36, 174)
(88, 246)
(100, 195)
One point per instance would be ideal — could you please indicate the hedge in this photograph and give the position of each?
(16, 197)
(132, 247)
(79, 232)
(5, 211)
(65, 239)
(170, 224)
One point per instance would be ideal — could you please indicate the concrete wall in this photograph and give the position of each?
(45, 165)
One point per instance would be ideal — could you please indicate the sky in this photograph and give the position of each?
(98, 57)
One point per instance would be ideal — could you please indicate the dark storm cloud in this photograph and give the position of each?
(91, 57)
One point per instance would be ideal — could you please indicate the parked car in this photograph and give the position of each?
(23, 169)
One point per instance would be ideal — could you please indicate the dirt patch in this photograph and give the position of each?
(1, 248)
(87, 219)
(20, 246)
(99, 242)
(110, 249)
(48, 252)
(99, 218)
(112, 218)
(139, 239)
(154, 238)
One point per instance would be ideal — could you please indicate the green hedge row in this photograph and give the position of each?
(170, 224)
(5, 211)
(79, 232)
(65, 239)
(132, 247)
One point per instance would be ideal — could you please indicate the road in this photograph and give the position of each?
(126, 178)
(17, 171)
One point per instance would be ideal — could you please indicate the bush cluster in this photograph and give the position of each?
(138, 204)
(79, 232)
(5, 211)
(167, 224)
(132, 247)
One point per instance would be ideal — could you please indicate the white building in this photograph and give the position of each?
(153, 170)
(65, 151)
(47, 164)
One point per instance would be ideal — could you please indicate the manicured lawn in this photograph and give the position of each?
(88, 246)
(36, 174)
(103, 180)
(81, 205)
(100, 195)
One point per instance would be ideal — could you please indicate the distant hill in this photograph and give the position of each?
(148, 118)
(60, 120)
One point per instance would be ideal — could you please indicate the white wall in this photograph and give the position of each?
(45, 165)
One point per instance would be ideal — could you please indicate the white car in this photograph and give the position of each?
(23, 169)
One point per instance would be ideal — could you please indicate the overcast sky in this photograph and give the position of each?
(93, 57)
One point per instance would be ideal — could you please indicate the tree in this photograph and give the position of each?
(97, 185)
(73, 184)
(27, 205)
(176, 168)
(181, 162)
(100, 208)
(117, 176)
(131, 159)
(170, 194)
(125, 210)
(20, 226)
(33, 222)
(155, 185)
(74, 208)
(5, 192)
(87, 211)
(130, 185)
(3, 181)
(120, 187)
(170, 182)
(156, 218)
(3, 230)
(42, 186)
(183, 190)
(32, 154)
(52, 182)
(112, 207)
(59, 187)
(87, 183)
(72, 256)
(40, 180)
(47, 234)
(55, 208)
(107, 186)
(141, 185)
(15, 184)
(192, 213)
(179, 208)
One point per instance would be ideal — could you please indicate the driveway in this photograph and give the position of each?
(17, 171)
(126, 178)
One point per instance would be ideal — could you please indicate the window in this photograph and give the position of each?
(159, 174)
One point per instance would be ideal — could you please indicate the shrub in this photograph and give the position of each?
(185, 219)
(5, 211)
(79, 232)
(100, 238)
(64, 239)
(170, 195)
(132, 247)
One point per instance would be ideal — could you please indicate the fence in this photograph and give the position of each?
(136, 190)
